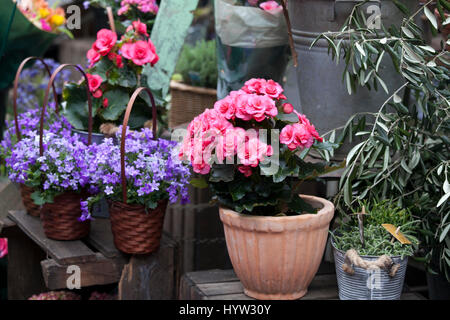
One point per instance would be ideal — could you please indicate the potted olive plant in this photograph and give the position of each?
(194, 83)
(370, 261)
(402, 150)
(275, 236)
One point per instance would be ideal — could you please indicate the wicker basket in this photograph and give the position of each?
(25, 192)
(60, 218)
(188, 102)
(32, 208)
(135, 229)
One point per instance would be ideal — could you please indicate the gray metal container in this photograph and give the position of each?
(366, 284)
(323, 94)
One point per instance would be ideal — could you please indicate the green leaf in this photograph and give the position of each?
(444, 233)
(430, 17)
(298, 205)
(38, 199)
(223, 173)
(117, 103)
(75, 107)
(199, 183)
(443, 199)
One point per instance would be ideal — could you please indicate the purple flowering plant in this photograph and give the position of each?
(64, 165)
(29, 122)
(153, 172)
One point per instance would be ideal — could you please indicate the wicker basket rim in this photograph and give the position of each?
(186, 87)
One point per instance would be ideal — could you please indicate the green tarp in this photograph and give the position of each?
(24, 40)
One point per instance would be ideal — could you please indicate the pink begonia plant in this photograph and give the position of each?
(228, 144)
(3, 247)
(271, 7)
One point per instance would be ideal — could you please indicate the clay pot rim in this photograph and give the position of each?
(333, 244)
(326, 210)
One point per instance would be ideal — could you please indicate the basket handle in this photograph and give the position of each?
(47, 91)
(124, 131)
(16, 86)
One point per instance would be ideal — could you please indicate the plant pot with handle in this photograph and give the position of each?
(25, 124)
(371, 252)
(138, 178)
(59, 171)
(275, 237)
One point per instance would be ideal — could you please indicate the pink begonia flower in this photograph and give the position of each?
(226, 107)
(106, 39)
(271, 6)
(139, 27)
(94, 81)
(45, 26)
(245, 170)
(97, 94)
(140, 52)
(93, 57)
(288, 108)
(3, 247)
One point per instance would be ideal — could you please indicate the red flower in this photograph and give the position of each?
(140, 52)
(105, 102)
(288, 108)
(93, 57)
(139, 27)
(106, 39)
(94, 81)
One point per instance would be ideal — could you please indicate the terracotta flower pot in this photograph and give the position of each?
(277, 257)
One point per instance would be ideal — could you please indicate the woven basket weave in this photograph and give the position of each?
(60, 218)
(136, 231)
(188, 102)
(32, 208)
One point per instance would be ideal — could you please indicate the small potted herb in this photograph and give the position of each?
(371, 252)
(194, 83)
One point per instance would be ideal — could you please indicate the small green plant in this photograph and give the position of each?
(377, 240)
(197, 64)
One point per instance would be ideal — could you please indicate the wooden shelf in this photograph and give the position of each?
(224, 285)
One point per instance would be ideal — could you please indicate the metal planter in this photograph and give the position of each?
(369, 284)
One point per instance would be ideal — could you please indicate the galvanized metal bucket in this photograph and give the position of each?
(369, 284)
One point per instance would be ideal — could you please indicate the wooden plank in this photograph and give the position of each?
(214, 289)
(6, 223)
(153, 276)
(100, 272)
(102, 239)
(224, 285)
(24, 275)
(213, 276)
(10, 198)
(64, 252)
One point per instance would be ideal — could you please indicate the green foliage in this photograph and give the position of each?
(198, 64)
(377, 240)
(403, 150)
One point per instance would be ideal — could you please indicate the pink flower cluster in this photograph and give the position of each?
(135, 47)
(217, 134)
(271, 6)
(256, 100)
(299, 135)
(3, 247)
(145, 6)
(211, 132)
